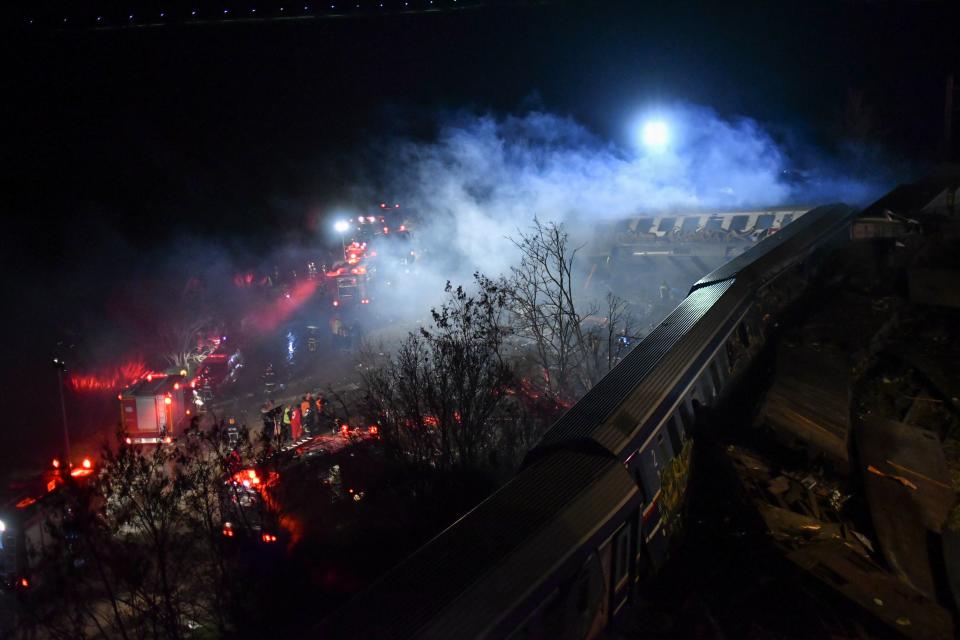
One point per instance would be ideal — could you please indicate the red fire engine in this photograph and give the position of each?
(154, 409)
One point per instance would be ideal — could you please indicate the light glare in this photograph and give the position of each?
(655, 134)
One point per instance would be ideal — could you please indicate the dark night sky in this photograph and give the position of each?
(126, 138)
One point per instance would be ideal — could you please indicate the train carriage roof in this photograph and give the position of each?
(767, 256)
(629, 385)
(454, 585)
(609, 416)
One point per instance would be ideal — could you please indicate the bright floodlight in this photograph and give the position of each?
(655, 134)
(341, 226)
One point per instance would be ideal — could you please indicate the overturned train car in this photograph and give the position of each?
(556, 552)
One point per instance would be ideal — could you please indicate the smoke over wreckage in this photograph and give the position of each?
(483, 176)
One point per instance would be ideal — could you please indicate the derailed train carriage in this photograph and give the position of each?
(556, 552)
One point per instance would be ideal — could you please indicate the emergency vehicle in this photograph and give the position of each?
(23, 525)
(155, 409)
(350, 282)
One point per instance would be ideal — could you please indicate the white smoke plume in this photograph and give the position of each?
(484, 177)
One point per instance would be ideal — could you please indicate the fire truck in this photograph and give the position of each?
(350, 282)
(155, 409)
(24, 533)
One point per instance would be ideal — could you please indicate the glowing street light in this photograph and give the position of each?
(61, 367)
(655, 134)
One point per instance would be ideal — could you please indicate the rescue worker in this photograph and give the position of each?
(305, 406)
(287, 428)
(269, 426)
(312, 415)
(336, 326)
(296, 425)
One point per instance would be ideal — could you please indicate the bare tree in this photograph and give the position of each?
(608, 340)
(177, 335)
(544, 312)
(138, 551)
(179, 322)
(436, 399)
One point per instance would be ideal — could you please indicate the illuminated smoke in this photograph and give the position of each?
(484, 177)
(109, 380)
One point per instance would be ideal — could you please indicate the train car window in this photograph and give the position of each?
(650, 473)
(638, 542)
(638, 478)
(686, 412)
(732, 355)
(723, 364)
(764, 221)
(673, 430)
(739, 223)
(666, 225)
(621, 566)
(643, 225)
(690, 224)
(743, 334)
(665, 452)
(714, 377)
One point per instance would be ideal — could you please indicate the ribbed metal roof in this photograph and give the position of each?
(599, 415)
(764, 258)
(530, 524)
